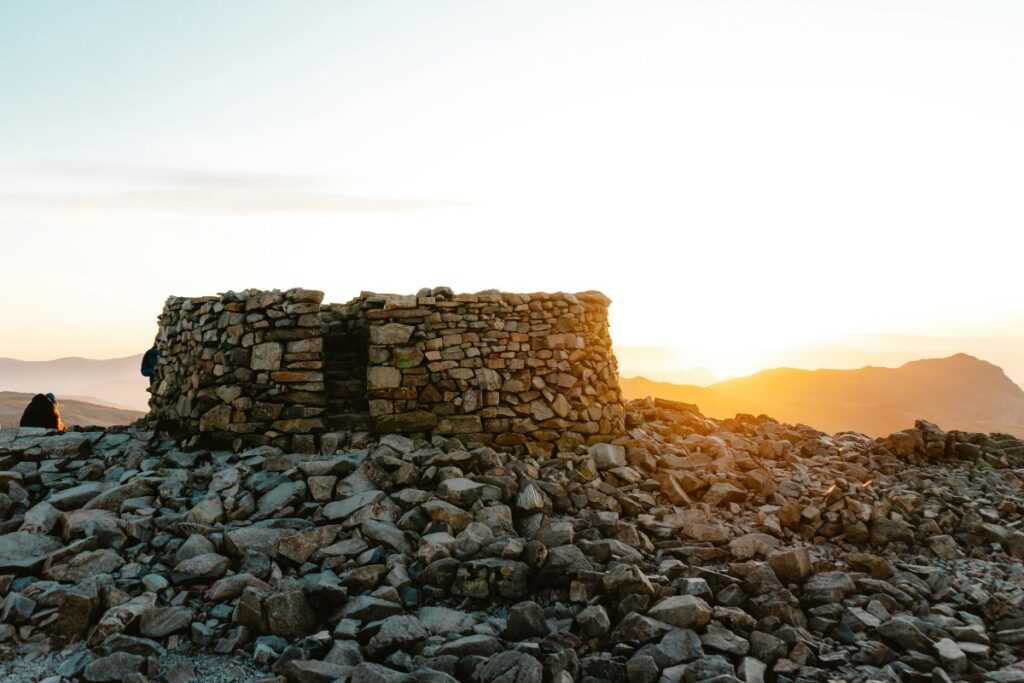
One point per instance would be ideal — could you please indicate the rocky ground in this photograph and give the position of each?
(690, 550)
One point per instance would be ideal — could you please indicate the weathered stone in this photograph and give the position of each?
(678, 645)
(78, 496)
(459, 424)
(289, 614)
(952, 657)
(607, 456)
(827, 588)
(383, 377)
(684, 611)
(491, 577)
(752, 545)
(529, 500)
(904, 633)
(444, 620)
(391, 334)
(446, 513)
(287, 494)
(300, 546)
(83, 565)
(723, 493)
(401, 631)
(885, 531)
(719, 639)
(313, 671)
(471, 646)
(117, 666)
(388, 534)
(510, 667)
(461, 491)
(78, 609)
(194, 546)
(41, 518)
(200, 569)
(266, 356)
(563, 563)
(792, 565)
(627, 578)
(159, 622)
(16, 609)
(341, 509)
(208, 511)
(367, 608)
(642, 669)
(525, 620)
(636, 628)
(254, 540)
(593, 621)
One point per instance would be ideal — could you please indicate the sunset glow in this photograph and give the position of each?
(751, 188)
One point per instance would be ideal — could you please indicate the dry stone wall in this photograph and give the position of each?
(531, 369)
(281, 368)
(242, 367)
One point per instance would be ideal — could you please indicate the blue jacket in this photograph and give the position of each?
(149, 362)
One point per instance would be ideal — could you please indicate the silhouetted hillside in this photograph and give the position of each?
(958, 392)
(115, 381)
(73, 412)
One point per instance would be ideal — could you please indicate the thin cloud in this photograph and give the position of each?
(132, 188)
(173, 176)
(212, 202)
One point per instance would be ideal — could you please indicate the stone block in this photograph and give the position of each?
(266, 356)
(459, 424)
(390, 334)
(383, 377)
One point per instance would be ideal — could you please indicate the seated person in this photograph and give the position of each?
(42, 411)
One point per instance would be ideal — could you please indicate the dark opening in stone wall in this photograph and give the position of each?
(345, 361)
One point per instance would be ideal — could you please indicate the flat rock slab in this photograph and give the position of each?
(340, 509)
(158, 622)
(77, 496)
(83, 565)
(23, 551)
(255, 539)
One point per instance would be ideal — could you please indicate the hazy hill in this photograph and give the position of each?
(73, 412)
(115, 382)
(958, 392)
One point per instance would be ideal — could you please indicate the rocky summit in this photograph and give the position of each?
(688, 549)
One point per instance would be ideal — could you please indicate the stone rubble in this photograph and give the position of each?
(688, 549)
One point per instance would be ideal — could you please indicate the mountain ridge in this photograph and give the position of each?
(114, 381)
(956, 392)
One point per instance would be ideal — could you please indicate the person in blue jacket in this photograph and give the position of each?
(149, 364)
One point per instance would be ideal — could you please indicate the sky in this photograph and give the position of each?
(812, 184)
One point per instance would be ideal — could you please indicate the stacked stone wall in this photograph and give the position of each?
(242, 367)
(531, 369)
(281, 368)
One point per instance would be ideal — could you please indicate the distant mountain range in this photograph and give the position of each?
(72, 412)
(115, 382)
(958, 392)
(700, 377)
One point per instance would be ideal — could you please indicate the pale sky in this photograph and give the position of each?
(752, 183)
